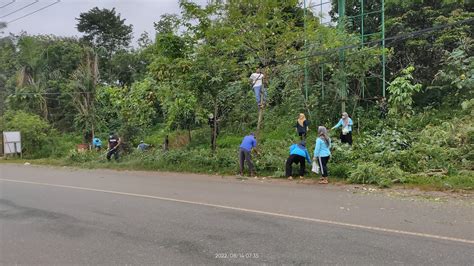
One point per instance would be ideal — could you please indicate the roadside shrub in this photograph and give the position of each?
(339, 170)
(36, 133)
(371, 173)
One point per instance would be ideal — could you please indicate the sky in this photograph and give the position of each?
(60, 19)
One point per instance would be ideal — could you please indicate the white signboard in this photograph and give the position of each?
(11, 142)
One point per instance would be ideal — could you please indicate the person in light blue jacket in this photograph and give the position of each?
(322, 153)
(298, 154)
(346, 133)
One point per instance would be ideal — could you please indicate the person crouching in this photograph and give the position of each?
(298, 154)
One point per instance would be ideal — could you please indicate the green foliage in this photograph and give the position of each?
(401, 93)
(200, 61)
(371, 173)
(129, 110)
(36, 133)
(456, 78)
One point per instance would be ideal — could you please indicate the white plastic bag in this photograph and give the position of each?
(345, 130)
(315, 168)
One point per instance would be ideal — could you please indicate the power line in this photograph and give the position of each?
(5, 5)
(31, 13)
(21, 8)
(393, 38)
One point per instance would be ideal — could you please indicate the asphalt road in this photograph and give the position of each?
(67, 216)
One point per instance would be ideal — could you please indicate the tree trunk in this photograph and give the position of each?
(214, 130)
(189, 134)
(166, 144)
(260, 114)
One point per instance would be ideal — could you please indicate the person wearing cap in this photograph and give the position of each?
(210, 121)
(298, 155)
(113, 145)
(248, 143)
(346, 133)
(142, 146)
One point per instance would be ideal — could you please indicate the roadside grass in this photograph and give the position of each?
(149, 161)
(433, 155)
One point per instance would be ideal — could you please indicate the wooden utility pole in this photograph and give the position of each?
(261, 106)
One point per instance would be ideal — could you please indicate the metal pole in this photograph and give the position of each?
(306, 54)
(362, 83)
(322, 82)
(383, 48)
(340, 24)
(362, 21)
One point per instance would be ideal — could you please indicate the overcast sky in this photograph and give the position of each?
(59, 19)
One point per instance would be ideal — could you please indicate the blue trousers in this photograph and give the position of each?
(258, 91)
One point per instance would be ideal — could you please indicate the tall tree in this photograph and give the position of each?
(106, 31)
(104, 28)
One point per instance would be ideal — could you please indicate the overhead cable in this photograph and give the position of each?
(31, 13)
(19, 9)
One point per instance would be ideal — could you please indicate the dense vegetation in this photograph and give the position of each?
(59, 91)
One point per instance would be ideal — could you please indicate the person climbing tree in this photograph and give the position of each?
(258, 87)
(346, 133)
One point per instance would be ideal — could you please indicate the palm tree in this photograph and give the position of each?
(83, 84)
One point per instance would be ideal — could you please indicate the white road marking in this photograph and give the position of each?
(373, 228)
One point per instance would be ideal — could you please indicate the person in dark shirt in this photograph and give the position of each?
(210, 121)
(302, 126)
(113, 146)
(383, 107)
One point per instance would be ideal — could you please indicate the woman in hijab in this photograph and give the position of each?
(322, 153)
(346, 133)
(298, 155)
(302, 126)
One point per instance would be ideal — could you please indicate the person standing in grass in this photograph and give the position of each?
(298, 155)
(113, 146)
(322, 153)
(346, 133)
(302, 126)
(248, 143)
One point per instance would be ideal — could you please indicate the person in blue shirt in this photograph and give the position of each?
(142, 146)
(346, 133)
(97, 143)
(248, 143)
(298, 155)
(322, 153)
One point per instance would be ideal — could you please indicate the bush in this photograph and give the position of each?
(371, 173)
(36, 133)
(339, 170)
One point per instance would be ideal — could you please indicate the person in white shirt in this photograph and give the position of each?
(257, 85)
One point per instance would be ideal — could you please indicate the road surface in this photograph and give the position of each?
(67, 216)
